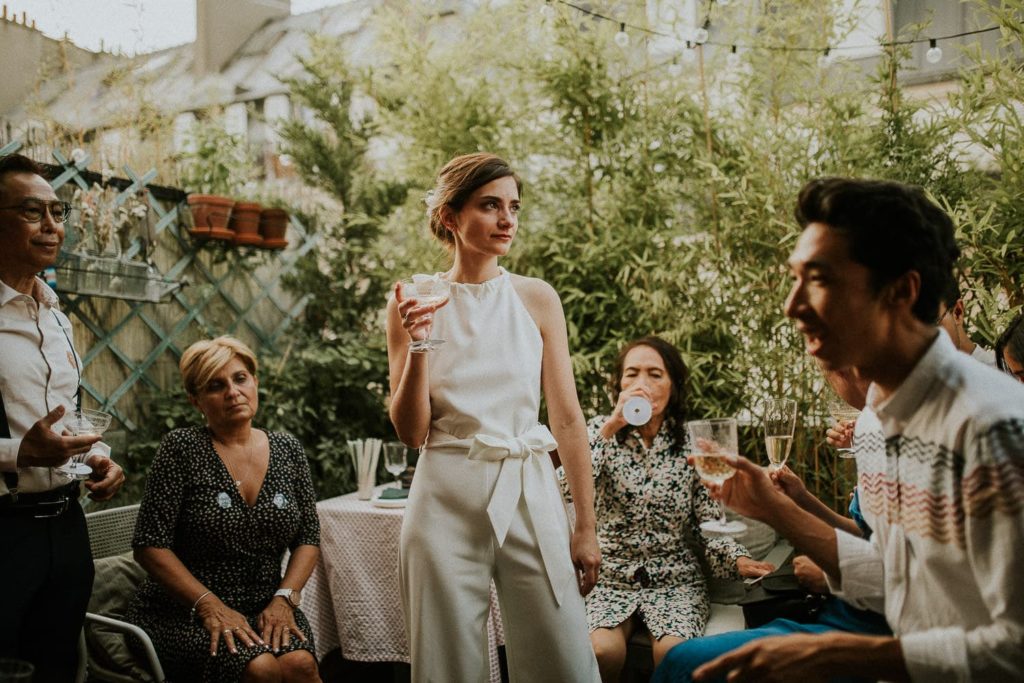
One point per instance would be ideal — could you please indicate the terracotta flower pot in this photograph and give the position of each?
(273, 226)
(210, 216)
(245, 223)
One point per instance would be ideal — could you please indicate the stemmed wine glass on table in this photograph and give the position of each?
(425, 290)
(779, 424)
(710, 442)
(81, 423)
(394, 460)
(844, 414)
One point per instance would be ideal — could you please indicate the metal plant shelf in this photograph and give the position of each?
(113, 278)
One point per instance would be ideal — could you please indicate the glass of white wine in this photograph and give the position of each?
(81, 423)
(846, 415)
(779, 425)
(710, 441)
(425, 290)
(395, 460)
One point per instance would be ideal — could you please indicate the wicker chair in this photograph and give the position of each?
(110, 534)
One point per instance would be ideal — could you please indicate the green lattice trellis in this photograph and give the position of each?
(228, 296)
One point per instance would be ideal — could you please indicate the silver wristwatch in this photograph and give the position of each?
(292, 596)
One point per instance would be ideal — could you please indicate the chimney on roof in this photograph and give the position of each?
(223, 26)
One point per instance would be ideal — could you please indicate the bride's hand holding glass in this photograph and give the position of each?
(418, 298)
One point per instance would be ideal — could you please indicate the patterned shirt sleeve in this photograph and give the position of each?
(721, 552)
(165, 487)
(993, 502)
(305, 496)
(599, 446)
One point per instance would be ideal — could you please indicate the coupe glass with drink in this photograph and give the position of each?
(81, 423)
(425, 290)
(779, 424)
(845, 414)
(710, 442)
(394, 460)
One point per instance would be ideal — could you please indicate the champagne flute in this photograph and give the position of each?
(80, 423)
(425, 290)
(711, 441)
(843, 413)
(779, 424)
(394, 460)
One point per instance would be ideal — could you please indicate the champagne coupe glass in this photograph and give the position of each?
(710, 441)
(81, 423)
(779, 423)
(843, 413)
(425, 290)
(394, 460)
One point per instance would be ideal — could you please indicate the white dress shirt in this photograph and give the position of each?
(947, 507)
(39, 370)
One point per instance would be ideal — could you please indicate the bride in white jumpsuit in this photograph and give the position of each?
(485, 504)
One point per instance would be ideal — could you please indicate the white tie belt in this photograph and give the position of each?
(523, 474)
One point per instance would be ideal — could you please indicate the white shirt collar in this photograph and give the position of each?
(908, 396)
(41, 292)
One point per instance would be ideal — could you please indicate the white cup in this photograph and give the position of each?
(637, 411)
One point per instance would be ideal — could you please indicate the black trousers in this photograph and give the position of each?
(46, 576)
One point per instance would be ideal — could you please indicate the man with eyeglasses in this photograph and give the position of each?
(45, 561)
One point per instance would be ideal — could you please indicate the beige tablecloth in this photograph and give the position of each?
(352, 599)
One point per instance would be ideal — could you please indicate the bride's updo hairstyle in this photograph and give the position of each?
(460, 178)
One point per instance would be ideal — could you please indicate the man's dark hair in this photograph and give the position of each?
(951, 294)
(1012, 340)
(18, 163)
(891, 229)
(676, 410)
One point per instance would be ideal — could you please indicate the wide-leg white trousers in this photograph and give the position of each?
(449, 554)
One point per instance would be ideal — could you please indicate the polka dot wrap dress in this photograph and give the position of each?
(648, 502)
(192, 506)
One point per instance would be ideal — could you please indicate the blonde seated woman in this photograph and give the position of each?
(223, 502)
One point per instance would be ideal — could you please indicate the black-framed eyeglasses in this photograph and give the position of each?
(33, 210)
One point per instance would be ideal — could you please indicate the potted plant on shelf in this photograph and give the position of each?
(274, 222)
(245, 223)
(104, 222)
(213, 167)
(94, 264)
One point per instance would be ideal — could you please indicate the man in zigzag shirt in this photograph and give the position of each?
(947, 502)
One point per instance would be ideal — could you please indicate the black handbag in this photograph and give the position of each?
(780, 596)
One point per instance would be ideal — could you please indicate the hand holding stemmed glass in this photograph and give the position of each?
(418, 297)
(83, 422)
(712, 442)
(842, 432)
(779, 416)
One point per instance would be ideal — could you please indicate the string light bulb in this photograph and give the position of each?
(546, 10)
(934, 54)
(675, 68)
(723, 3)
(826, 58)
(700, 35)
(622, 38)
(733, 60)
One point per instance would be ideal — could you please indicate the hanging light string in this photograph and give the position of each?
(827, 49)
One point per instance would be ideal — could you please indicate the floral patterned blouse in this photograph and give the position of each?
(649, 504)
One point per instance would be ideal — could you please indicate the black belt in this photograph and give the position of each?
(51, 503)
